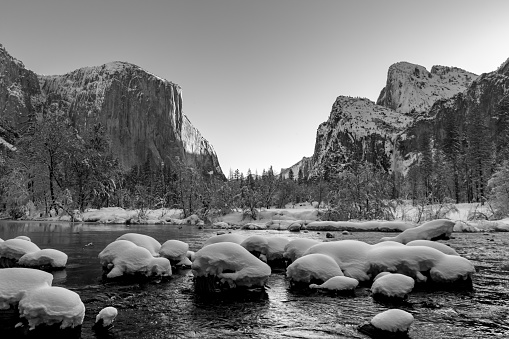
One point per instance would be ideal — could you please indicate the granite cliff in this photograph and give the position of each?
(412, 89)
(416, 110)
(142, 113)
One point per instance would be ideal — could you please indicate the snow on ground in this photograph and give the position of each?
(440, 228)
(359, 226)
(312, 267)
(15, 282)
(108, 215)
(394, 320)
(52, 305)
(468, 217)
(45, 257)
(337, 283)
(231, 264)
(393, 285)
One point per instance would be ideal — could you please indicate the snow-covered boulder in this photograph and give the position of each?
(52, 305)
(413, 260)
(174, 250)
(124, 257)
(221, 224)
(146, 241)
(15, 282)
(177, 252)
(296, 248)
(108, 215)
(254, 226)
(461, 226)
(350, 255)
(229, 237)
(276, 248)
(432, 230)
(256, 244)
(23, 237)
(44, 258)
(436, 245)
(394, 320)
(230, 264)
(106, 316)
(337, 284)
(313, 268)
(393, 286)
(378, 226)
(16, 248)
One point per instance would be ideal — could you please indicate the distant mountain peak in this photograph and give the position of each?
(411, 89)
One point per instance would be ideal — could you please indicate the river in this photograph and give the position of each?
(170, 309)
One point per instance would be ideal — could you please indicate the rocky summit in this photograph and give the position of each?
(142, 113)
(441, 111)
(412, 89)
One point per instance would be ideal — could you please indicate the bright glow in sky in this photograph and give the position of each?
(258, 77)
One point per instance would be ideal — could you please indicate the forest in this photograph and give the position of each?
(56, 170)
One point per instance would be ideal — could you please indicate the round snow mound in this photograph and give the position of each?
(16, 248)
(393, 285)
(142, 240)
(394, 320)
(232, 264)
(311, 267)
(107, 315)
(339, 283)
(15, 282)
(45, 257)
(175, 250)
(52, 305)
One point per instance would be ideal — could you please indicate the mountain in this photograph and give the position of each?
(358, 129)
(449, 123)
(303, 165)
(19, 97)
(142, 113)
(412, 89)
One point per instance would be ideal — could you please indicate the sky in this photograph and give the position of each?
(258, 77)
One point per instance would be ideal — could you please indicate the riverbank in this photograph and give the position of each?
(467, 218)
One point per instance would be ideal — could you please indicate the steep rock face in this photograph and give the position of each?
(20, 96)
(358, 129)
(141, 112)
(304, 165)
(412, 89)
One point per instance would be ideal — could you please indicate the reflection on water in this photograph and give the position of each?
(172, 310)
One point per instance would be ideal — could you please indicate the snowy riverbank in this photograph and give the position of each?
(295, 218)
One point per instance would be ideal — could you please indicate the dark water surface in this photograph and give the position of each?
(171, 309)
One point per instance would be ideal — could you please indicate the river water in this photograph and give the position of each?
(170, 309)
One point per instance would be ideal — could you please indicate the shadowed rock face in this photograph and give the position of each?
(141, 112)
(20, 96)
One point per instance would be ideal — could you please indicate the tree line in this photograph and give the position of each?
(55, 169)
